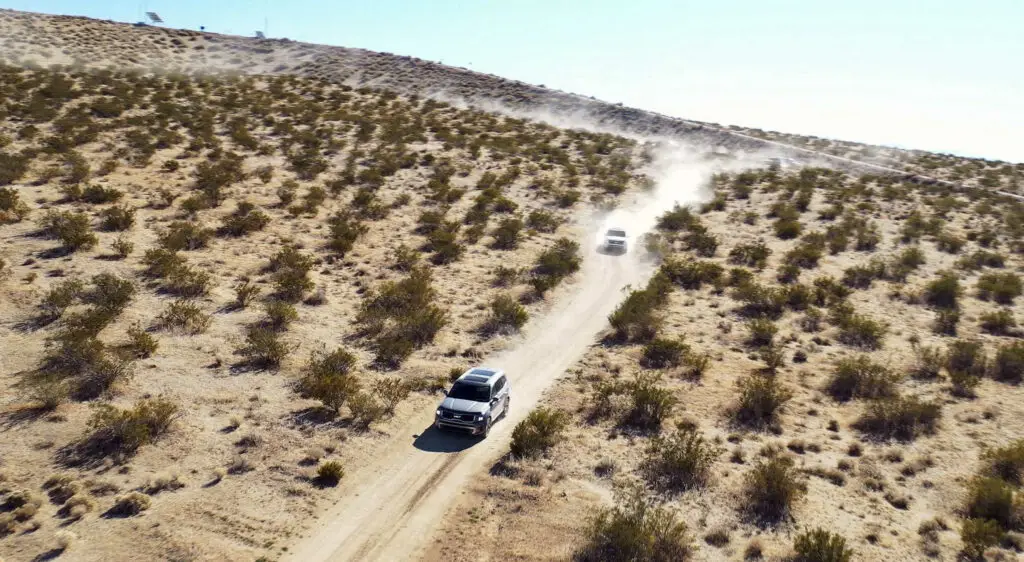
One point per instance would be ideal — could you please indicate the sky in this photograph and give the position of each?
(937, 75)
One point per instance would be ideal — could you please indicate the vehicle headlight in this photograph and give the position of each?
(438, 412)
(478, 417)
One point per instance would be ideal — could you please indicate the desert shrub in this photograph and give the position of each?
(702, 242)
(866, 237)
(329, 377)
(1006, 463)
(1008, 365)
(649, 403)
(390, 392)
(692, 274)
(123, 247)
(635, 529)
(161, 263)
(902, 418)
(567, 198)
(820, 545)
(443, 241)
(244, 220)
(681, 461)
(184, 235)
(1001, 287)
(541, 430)
(365, 409)
(132, 503)
(404, 258)
(762, 332)
(61, 296)
(286, 192)
(761, 398)
(245, 293)
(787, 228)
(98, 194)
(754, 254)
(117, 218)
(928, 363)
(345, 229)
(542, 221)
(71, 229)
(506, 235)
(861, 276)
(771, 488)
(998, 323)
(981, 259)
(679, 218)
(943, 292)
(859, 377)
(663, 352)
(263, 348)
(185, 316)
(966, 363)
(978, 535)
(116, 431)
(946, 321)
(555, 264)
(213, 176)
(760, 301)
(949, 243)
(140, 343)
(402, 316)
(993, 499)
(330, 473)
(507, 315)
(857, 330)
(635, 318)
(291, 274)
(279, 315)
(109, 293)
(12, 208)
(12, 167)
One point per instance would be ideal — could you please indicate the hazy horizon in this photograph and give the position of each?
(927, 75)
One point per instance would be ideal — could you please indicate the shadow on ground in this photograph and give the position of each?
(433, 440)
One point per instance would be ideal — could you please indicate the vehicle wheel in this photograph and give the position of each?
(487, 429)
(504, 411)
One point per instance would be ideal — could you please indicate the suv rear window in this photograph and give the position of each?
(620, 233)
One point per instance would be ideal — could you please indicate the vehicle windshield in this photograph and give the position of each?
(474, 392)
(620, 233)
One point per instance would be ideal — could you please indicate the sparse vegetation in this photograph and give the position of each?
(541, 430)
(636, 528)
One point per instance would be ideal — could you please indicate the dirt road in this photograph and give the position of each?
(391, 508)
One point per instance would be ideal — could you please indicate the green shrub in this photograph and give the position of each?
(279, 315)
(663, 352)
(943, 292)
(981, 259)
(555, 264)
(185, 316)
(902, 418)
(264, 348)
(635, 319)
(993, 499)
(12, 167)
(507, 315)
(345, 229)
(109, 293)
(771, 488)
(12, 208)
(187, 282)
(860, 331)
(71, 229)
(141, 344)
(123, 247)
(365, 409)
(506, 236)
(132, 503)
(946, 321)
(998, 323)
(692, 274)
(978, 535)
(402, 317)
(245, 293)
(98, 194)
(443, 241)
(820, 545)
(1006, 463)
(966, 363)
(330, 473)
(183, 235)
(116, 431)
(949, 243)
(635, 529)
(702, 242)
(679, 218)
(754, 254)
(761, 398)
(541, 430)
(1008, 365)
(246, 218)
(859, 377)
(760, 301)
(117, 218)
(678, 462)
(404, 258)
(542, 221)
(1001, 287)
(762, 332)
(928, 363)
(649, 403)
(61, 296)
(329, 378)
(291, 274)
(390, 392)
(787, 229)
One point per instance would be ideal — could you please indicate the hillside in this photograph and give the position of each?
(235, 275)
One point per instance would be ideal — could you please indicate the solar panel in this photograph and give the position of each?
(153, 17)
(483, 372)
(475, 378)
(259, 35)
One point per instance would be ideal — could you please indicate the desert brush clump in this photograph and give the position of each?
(771, 488)
(761, 398)
(555, 264)
(330, 473)
(901, 418)
(330, 378)
(289, 270)
(401, 316)
(541, 430)
(506, 316)
(680, 461)
(185, 316)
(73, 230)
(121, 432)
(264, 348)
(636, 528)
(860, 377)
(637, 318)
(819, 545)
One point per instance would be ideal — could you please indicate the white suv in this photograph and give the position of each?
(615, 240)
(475, 401)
